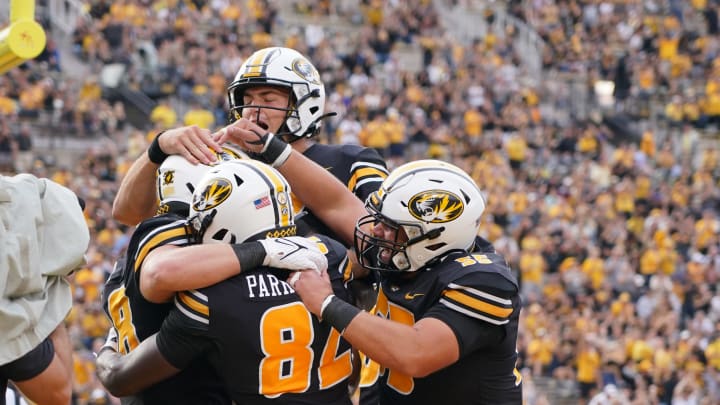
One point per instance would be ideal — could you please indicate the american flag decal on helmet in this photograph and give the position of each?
(261, 202)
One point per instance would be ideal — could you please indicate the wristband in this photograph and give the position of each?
(338, 313)
(155, 153)
(325, 303)
(275, 151)
(250, 254)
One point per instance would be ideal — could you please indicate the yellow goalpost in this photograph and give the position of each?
(23, 38)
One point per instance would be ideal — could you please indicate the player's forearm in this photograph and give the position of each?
(179, 269)
(324, 194)
(113, 374)
(391, 344)
(413, 349)
(130, 374)
(136, 199)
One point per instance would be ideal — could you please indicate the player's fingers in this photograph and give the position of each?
(198, 150)
(294, 277)
(220, 137)
(227, 133)
(207, 139)
(203, 147)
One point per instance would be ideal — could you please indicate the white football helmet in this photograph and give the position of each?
(288, 68)
(241, 200)
(438, 206)
(231, 151)
(176, 179)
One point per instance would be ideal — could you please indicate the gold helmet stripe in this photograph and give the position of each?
(298, 206)
(421, 165)
(283, 211)
(257, 66)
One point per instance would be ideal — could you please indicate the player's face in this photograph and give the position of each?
(271, 103)
(389, 232)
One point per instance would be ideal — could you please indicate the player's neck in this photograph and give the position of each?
(301, 145)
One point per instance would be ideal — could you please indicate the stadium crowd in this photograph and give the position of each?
(614, 239)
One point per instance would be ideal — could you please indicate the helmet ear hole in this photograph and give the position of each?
(435, 246)
(221, 234)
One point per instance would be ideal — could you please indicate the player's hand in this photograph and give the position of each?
(194, 143)
(255, 139)
(293, 253)
(242, 132)
(111, 341)
(312, 288)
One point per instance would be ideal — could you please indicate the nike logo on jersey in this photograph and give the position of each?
(409, 296)
(328, 168)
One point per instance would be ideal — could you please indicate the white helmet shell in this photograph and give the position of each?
(438, 206)
(177, 177)
(240, 200)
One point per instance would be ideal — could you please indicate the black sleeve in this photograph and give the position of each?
(367, 172)
(477, 306)
(182, 338)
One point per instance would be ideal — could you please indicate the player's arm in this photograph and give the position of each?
(319, 190)
(135, 199)
(324, 194)
(181, 339)
(169, 268)
(424, 347)
(416, 350)
(130, 374)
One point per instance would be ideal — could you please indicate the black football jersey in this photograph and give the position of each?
(261, 339)
(477, 296)
(361, 169)
(135, 318)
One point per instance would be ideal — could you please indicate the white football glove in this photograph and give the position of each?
(293, 253)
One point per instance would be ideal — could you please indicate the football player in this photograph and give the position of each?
(252, 328)
(137, 296)
(276, 90)
(446, 318)
(280, 91)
